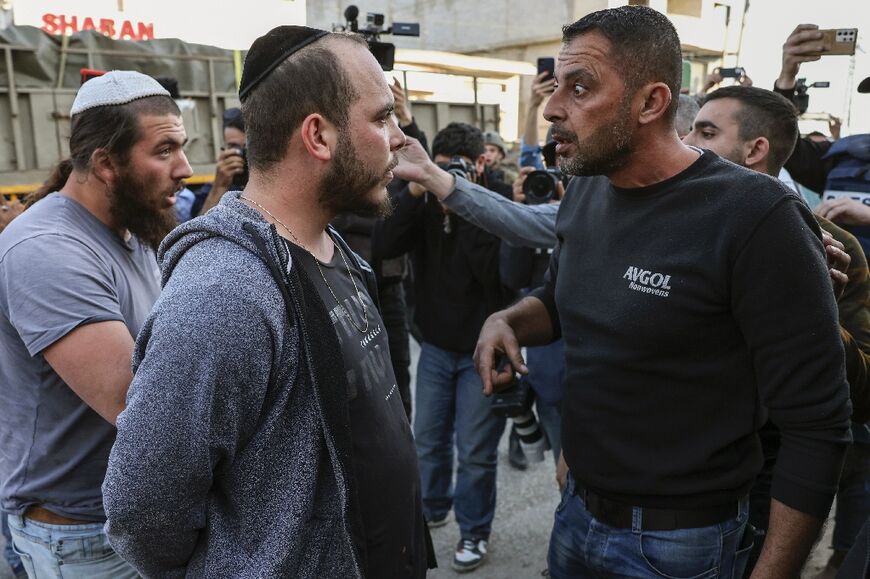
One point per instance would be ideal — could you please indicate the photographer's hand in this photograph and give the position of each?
(541, 89)
(844, 210)
(518, 194)
(416, 166)
(230, 163)
(802, 45)
(402, 108)
(834, 125)
(838, 263)
(712, 80)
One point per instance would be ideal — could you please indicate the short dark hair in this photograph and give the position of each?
(233, 119)
(643, 44)
(459, 139)
(113, 128)
(312, 80)
(764, 113)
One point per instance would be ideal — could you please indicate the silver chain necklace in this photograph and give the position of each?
(359, 296)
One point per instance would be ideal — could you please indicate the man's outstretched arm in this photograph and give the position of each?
(517, 224)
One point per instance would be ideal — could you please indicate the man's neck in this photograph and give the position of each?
(655, 159)
(92, 194)
(295, 211)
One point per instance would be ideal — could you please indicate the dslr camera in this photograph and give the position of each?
(240, 180)
(515, 402)
(460, 167)
(541, 186)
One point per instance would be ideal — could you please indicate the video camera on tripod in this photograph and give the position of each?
(801, 99)
(384, 52)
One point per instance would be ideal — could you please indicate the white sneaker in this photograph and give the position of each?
(469, 555)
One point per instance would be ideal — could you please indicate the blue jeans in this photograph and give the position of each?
(9, 553)
(67, 551)
(450, 402)
(584, 547)
(547, 371)
(546, 375)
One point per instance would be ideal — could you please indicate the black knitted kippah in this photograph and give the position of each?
(272, 49)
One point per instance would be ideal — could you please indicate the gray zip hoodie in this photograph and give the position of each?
(233, 454)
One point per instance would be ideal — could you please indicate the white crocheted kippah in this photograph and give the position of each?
(117, 87)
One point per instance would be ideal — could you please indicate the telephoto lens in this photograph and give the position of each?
(532, 438)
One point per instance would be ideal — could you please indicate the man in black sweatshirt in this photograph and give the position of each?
(694, 301)
(457, 286)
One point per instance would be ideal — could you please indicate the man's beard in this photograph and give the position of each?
(348, 186)
(603, 152)
(136, 207)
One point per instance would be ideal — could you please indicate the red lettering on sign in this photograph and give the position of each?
(107, 27)
(49, 23)
(65, 24)
(146, 31)
(70, 26)
(127, 32)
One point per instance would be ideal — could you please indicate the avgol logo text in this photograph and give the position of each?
(650, 282)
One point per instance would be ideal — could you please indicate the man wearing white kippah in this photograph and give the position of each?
(78, 275)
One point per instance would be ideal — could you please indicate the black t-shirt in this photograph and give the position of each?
(681, 305)
(384, 456)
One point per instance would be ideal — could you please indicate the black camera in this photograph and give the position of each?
(512, 401)
(801, 99)
(384, 52)
(460, 167)
(736, 72)
(541, 186)
(240, 180)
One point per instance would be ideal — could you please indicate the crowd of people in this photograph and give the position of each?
(670, 293)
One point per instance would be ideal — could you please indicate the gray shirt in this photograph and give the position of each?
(60, 268)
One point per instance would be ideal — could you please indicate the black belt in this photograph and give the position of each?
(619, 515)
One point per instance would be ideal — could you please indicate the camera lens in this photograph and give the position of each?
(539, 187)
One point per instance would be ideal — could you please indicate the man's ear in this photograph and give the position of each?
(757, 152)
(656, 100)
(319, 137)
(104, 167)
(480, 164)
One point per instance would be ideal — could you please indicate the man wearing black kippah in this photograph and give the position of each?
(264, 434)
